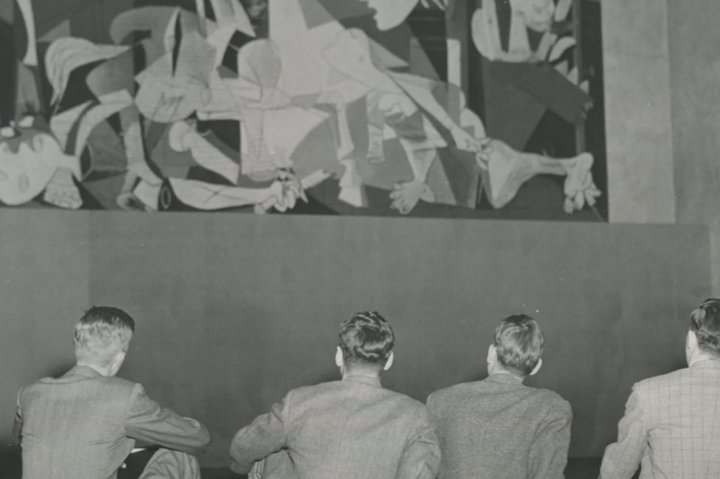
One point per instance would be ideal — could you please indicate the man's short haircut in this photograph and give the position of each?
(705, 323)
(519, 343)
(101, 334)
(366, 339)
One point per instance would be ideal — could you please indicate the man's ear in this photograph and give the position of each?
(117, 363)
(537, 368)
(492, 354)
(339, 361)
(691, 342)
(389, 362)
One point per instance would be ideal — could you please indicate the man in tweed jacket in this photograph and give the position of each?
(671, 425)
(86, 423)
(498, 428)
(349, 429)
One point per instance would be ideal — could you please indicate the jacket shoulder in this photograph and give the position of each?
(402, 403)
(316, 389)
(413, 405)
(453, 392)
(110, 390)
(121, 384)
(460, 392)
(647, 386)
(554, 401)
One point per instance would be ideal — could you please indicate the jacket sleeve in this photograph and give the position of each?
(266, 435)
(18, 423)
(622, 459)
(548, 454)
(421, 458)
(146, 421)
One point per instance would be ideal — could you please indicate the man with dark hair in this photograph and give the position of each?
(85, 424)
(671, 426)
(347, 429)
(498, 427)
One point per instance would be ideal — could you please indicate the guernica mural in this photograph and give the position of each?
(442, 108)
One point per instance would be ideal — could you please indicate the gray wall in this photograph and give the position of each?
(638, 112)
(695, 82)
(662, 104)
(234, 310)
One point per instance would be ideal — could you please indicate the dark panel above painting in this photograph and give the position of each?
(428, 108)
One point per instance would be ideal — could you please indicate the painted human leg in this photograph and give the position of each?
(508, 170)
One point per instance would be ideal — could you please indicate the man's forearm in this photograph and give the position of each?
(264, 436)
(149, 423)
(622, 459)
(249, 446)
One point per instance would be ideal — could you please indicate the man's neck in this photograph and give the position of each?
(365, 373)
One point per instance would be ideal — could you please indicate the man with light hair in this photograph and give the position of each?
(498, 427)
(85, 424)
(349, 429)
(671, 427)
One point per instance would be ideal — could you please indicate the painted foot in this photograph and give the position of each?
(579, 186)
(405, 196)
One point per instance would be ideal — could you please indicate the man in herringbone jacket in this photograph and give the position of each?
(348, 429)
(85, 424)
(498, 428)
(672, 422)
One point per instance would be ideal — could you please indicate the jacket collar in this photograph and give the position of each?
(504, 379)
(84, 371)
(706, 364)
(363, 379)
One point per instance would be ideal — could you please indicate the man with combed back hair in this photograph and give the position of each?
(671, 427)
(349, 429)
(85, 424)
(499, 428)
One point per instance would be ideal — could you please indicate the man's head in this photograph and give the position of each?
(102, 337)
(703, 339)
(366, 343)
(517, 347)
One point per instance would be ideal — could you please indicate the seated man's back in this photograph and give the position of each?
(499, 428)
(489, 428)
(84, 424)
(350, 429)
(672, 422)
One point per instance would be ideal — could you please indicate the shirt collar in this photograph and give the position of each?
(356, 378)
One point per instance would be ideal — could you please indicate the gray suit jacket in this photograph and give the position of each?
(83, 426)
(498, 428)
(349, 429)
(672, 426)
